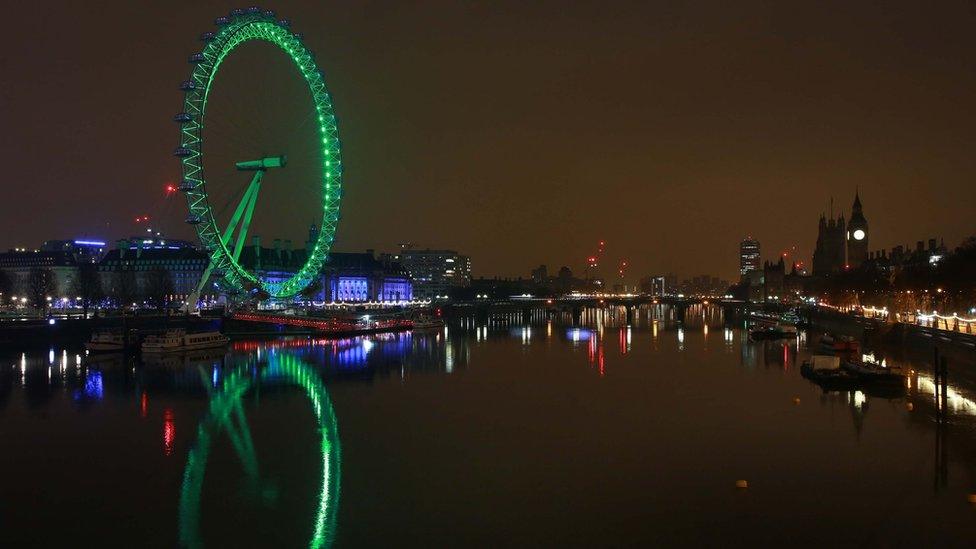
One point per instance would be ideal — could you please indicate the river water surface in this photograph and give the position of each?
(493, 432)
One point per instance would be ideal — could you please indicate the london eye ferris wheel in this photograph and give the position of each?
(224, 244)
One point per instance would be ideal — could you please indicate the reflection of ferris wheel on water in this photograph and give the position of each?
(224, 245)
(226, 416)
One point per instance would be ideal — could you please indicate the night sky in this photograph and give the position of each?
(517, 132)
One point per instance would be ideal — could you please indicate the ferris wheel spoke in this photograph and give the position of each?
(229, 130)
(230, 200)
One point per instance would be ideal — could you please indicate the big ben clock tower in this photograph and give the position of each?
(857, 235)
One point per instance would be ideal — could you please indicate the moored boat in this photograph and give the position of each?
(106, 342)
(776, 331)
(790, 318)
(874, 372)
(839, 343)
(179, 340)
(826, 372)
(425, 322)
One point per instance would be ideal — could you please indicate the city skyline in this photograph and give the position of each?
(753, 259)
(779, 104)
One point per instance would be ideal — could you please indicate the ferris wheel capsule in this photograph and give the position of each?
(187, 185)
(183, 117)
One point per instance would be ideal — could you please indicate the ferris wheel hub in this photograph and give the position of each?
(263, 163)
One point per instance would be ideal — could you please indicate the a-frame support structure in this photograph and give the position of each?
(240, 222)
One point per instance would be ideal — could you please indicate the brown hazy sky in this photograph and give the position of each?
(524, 132)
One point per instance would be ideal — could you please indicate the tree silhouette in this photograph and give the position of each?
(312, 290)
(159, 288)
(88, 286)
(6, 283)
(41, 285)
(124, 286)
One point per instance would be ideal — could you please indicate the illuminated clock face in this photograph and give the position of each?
(859, 234)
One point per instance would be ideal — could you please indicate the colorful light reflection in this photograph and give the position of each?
(169, 432)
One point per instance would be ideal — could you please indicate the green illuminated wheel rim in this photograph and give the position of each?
(225, 414)
(240, 27)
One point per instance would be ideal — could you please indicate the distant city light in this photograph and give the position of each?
(89, 243)
(579, 334)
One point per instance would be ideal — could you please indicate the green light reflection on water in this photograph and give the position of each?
(226, 407)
